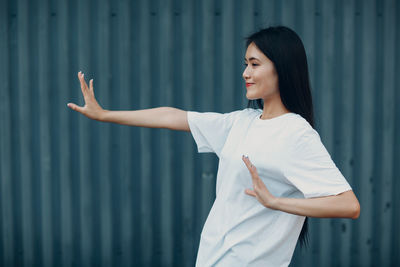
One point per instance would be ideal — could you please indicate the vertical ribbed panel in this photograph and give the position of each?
(76, 192)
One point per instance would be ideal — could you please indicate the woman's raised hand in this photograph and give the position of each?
(259, 191)
(91, 109)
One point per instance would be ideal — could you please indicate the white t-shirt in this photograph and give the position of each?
(292, 162)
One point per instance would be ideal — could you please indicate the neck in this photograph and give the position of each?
(273, 107)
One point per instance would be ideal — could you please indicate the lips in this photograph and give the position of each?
(249, 84)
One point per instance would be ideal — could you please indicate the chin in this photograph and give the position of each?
(251, 97)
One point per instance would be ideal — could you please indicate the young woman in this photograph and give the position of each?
(273, 169)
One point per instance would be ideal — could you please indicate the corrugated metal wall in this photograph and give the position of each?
(76, 192)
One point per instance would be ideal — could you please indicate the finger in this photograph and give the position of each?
(257, 182)
(91, 86)
(250, 192)
(75, 107)
(80, 75)
(84, 81)
(84, 87)
(249, 165)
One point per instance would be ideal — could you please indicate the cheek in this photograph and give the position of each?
(274, 81)
(269, 81)
(274, 78)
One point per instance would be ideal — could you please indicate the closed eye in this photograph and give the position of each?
(254, 64)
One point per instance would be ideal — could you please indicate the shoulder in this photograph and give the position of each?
(300, 125)
(246, 116)
(248, 112)
(300, 130)
(241, 114)
(217, 119)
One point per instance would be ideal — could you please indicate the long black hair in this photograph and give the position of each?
(284, 48)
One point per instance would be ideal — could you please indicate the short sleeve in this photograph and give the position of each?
(311, 169)
(210, 130)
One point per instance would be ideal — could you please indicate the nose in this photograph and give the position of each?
(246, 74)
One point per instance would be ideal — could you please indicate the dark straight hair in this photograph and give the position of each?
(284, 48)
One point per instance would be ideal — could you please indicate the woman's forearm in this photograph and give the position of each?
(344, 205)
(162, 117)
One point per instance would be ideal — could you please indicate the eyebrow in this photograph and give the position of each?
(251, 59)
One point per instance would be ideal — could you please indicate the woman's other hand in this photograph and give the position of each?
(343, 205)
(91, 109)
(259, 191)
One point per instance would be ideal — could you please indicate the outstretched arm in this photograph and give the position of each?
(162, 117)
(344, 205)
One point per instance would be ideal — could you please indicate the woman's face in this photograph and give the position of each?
(260, 75)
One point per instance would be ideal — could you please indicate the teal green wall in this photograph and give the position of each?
(75, 192)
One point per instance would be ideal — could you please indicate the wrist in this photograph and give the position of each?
(103, 115)
(274, 203)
